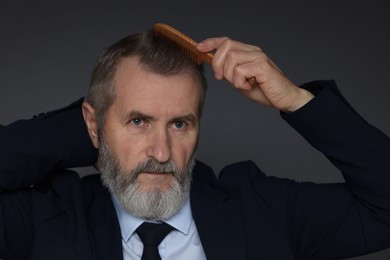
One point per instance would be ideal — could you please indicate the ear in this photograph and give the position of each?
(90, 121)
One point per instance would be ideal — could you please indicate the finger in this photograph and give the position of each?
(224, 47)
(228, 55)
(250, 89)
(235, 61)
(244, 78)
(210, 44)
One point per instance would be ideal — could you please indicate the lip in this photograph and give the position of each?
(156, 172)
(154, 178)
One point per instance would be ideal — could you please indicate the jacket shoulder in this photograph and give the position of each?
(245, 179)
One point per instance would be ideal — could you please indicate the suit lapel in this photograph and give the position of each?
(217, 217)
(103, 223)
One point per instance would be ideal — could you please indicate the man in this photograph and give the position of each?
(142, 113)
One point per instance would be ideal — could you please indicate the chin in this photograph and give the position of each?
(155, 181)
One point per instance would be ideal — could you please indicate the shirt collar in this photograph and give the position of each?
(181, 221)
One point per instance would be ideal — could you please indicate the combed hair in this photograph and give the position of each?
(156, 55)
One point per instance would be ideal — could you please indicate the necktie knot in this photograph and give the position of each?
(151, 235)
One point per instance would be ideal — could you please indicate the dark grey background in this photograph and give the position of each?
(47, 50)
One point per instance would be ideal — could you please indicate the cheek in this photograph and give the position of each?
(127, 150)
(132, 154)
(182, 152)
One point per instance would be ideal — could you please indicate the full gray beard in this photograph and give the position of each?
(151, 204)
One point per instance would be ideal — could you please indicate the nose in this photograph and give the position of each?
(160, 146)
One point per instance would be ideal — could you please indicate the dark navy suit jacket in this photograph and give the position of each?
(48, 212)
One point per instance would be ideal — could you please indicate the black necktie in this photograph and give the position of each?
(151, 235)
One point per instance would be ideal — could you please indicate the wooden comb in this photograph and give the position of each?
(184, 42)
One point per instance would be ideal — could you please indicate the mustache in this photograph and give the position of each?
(152, 165)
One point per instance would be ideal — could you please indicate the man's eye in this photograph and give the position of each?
(179, 124)
(137, 121)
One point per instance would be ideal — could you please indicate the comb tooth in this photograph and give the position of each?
(186, 51)
(181, 41)
(191, 55)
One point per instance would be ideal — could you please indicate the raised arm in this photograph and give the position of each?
(32, 149)
(325, 221)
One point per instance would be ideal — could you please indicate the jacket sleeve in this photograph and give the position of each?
(333, 221)
(32, 149)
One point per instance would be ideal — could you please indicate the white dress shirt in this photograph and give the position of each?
(181, 243)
